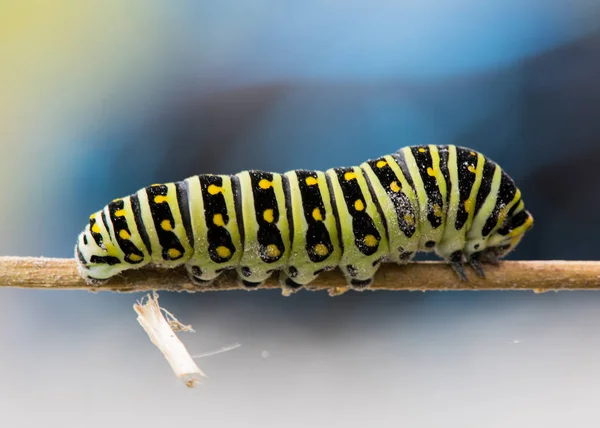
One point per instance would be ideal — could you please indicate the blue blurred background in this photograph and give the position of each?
(98, 99)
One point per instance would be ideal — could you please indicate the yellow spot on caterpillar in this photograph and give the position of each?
(471, 168)
(120, 213)
(223, 252)
(321, 250)
(472, 153)
(358, 205)
(409, 219)
(218, 220)
(96, 228)
(112, 252)
(273, 250)
(124, 234)
(311, 181)
(468, 206)
(166, 225)
(437, 210)
(422, 150)
(430, 171)
(317, 214)
(349, 176)
(268, 215)
(395, 186)
(213, 189)
(92, 216)
(264, 183)
(501, 217)
(160, 199)
(117, 200)
(370, 240)
(381, 164)
(174, 253)
(135, 257)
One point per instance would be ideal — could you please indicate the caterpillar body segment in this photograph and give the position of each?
(162, 217)
(447, 199)
(363, 236)
(215, 227)
(263, 210)
(315, 245)
(397, 200)
(423, 166)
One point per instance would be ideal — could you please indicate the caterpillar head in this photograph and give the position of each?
(505, 239)
(97, 254)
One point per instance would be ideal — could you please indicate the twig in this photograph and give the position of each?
(539, 276)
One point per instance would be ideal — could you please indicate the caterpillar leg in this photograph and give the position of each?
(201, 277)
(251, 278)
(359, 276)
(489, 256)
(456, 260)
(475, 262)
(292, 279)
(288, 283)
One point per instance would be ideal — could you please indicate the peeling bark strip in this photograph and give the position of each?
(538, 276)
(162, 333)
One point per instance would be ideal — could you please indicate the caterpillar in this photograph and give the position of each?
(447, 199)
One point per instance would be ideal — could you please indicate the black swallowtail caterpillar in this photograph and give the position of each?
(447, 199)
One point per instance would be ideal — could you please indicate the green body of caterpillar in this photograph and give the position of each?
(447, 199)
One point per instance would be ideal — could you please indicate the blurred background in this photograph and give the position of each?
(98, 99)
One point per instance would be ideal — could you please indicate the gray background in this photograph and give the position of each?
(100, 100)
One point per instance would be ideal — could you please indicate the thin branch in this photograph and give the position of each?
(539, 276)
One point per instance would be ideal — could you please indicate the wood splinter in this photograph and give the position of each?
(162, 333)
